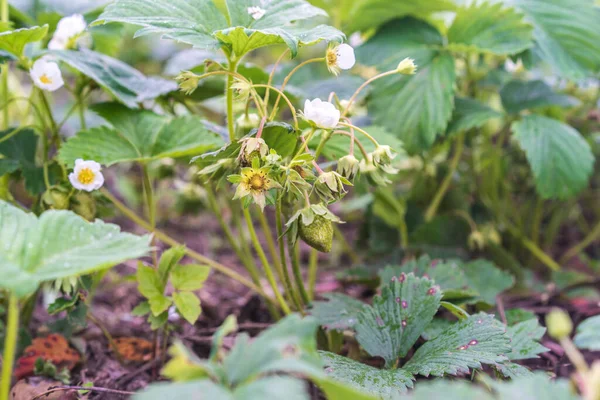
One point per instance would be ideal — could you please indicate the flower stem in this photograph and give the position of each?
(263, 258)
(54, 127)
(364, 85)
(533, 248)
(287, 282)
(4, 17)
(247, 261)
(264, 224)
(439, 196)
(287, 79)
(229, 98)
(312, 272)
(371, 138)
(10, 346)
(293, 251)
(191, 253)
(286, 99)
(272, 74)
(579, 247)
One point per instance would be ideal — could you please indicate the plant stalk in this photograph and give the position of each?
(292, 250)
(229, 99)
(439, 196)
(287, 282)
(267, 267)
(10, 346)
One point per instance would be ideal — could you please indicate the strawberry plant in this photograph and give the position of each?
(438, 156)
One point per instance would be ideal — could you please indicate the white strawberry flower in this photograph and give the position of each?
(256, 12)
(69, 27)
(67, 31)
(322, 114)
(340, 57)
(86, 175)
(46, 75)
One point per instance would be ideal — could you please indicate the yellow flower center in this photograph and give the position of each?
(257, 182)
(45, 79)
(331, 58)
(86, 176)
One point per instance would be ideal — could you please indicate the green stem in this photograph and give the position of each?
(287, 282)
(247, 261)
(229, 98)
(263, 258)
(81, 109)
(579, 247)
(191, 253)
(439, 196)
(345, 245)
(10, 346)
(4, 17)
(264, 224)
(292, 250)
(53, 125)
(149, 193)
(312, 272)
(533, 248)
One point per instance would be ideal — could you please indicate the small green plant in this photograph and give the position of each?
(402, 314)
(271, 366)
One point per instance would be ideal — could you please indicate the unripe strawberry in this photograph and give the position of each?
(56, 198)
(84, 204)
(559, 324)
(318, 235)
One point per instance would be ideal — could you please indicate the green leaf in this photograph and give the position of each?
(469, 114)
(19, 152)
(469, 343)
(62, 304)
(361, 15)
(273, 388)
(138, 135)
(280, 137)
(449, 275)
(185, 390)
(168, 260)
(141, 309)
(397, 318)
(435, 328)
(14, 41)
(566, 34)
(560, 158)
(489, 28)
(150, 287)
(587, 336)
(289, 346)
(203, 24)
(189, 277)
(423, 102)
(528, 95)
(516, 315)
(127, 84)
(443, 389)
(340, 312)
(336, 390)
(188, 305)
(513, 370)
(487, 279)
(384, 383)
(227, 327)
(158, 321)
(339, 145)
(538, 386)
(186, 366)
(524, 340)
(58, 244)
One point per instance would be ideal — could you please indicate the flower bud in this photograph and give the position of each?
(318, 234)
(84, 204)
(383, 155)
(330, 186)
(559, 324)
(348, 166)
(251, 148)
(188, 82)
(56, 198)
(241, 90)
(246, 122)
(407, 67)
(476, 241)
